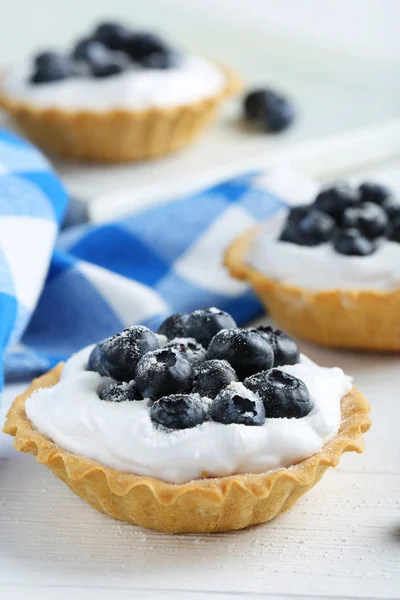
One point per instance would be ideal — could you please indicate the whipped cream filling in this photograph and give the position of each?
(194, 80)
(122, 436)
(321, 267)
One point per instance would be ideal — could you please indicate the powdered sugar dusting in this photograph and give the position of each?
(162, 339)
(121, 435)
(241, 390)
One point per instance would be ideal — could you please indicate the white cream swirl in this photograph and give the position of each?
(194, 80)
(122, 436)
(321, 267)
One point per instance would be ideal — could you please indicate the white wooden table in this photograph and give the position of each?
(342, 540)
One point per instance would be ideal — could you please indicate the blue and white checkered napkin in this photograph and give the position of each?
(164, 259)
(32, 203)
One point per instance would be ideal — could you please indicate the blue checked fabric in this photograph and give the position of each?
(139, 269)
(32, 203)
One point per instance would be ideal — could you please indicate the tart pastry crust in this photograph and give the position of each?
(117, 135)
(202, 505)
(364, 319)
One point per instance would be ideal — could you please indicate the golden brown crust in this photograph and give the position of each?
(204, 505)
(365, 319)
(118, 135)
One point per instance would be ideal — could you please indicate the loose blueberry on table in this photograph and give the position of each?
(111, 49)
(356, 222)
(235, 381)
(268, 110)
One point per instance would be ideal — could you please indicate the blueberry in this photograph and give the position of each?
(95, 362)
(236, 404)
(120, 354)
(351, 217)
(120, 392)
(107, 65)
(291, 234)
(297, 213)
(270, 110)
(174, 326)
(286, 351)
(88, 49)
(352, 243)
(112, 35)
(374, 192)
(80, 68)
(391, 206)
(283, 395)
(369, 218)
(334, 199)
(46, 57)
(179, 411)
(245, 349)
(212, 376)
(163, 372)
(191, 350)
(381, 195)
(395, 233)
(168, 59)
(139, 46)
(313, 229)
(202, 325)
(50, 66)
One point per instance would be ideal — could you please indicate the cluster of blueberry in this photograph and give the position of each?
(195, 375)
(111, 49)
(355, 221)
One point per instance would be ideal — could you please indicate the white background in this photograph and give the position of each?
(359, 26)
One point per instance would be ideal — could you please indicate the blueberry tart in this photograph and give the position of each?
(329, 271)
(228, 440)
(118, 94)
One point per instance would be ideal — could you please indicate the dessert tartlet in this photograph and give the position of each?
(329, 272)
(203, 427)
(120, 95)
